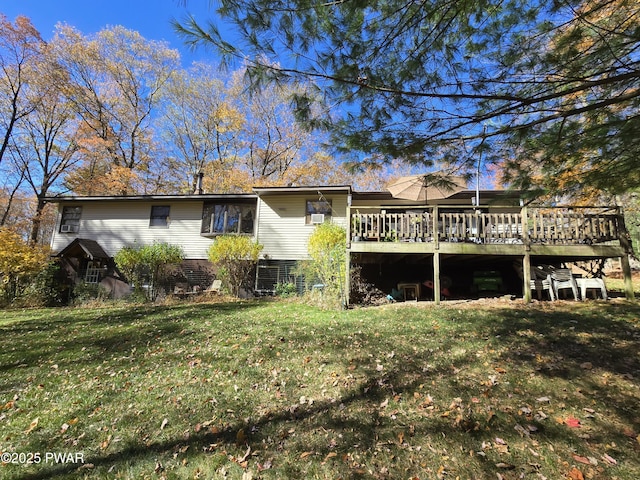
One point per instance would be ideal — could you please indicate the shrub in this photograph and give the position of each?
(86, 293)
(20, 262)
(328, 251)
(46, 289)
(286, 289)
(236, 257)
(147, 261)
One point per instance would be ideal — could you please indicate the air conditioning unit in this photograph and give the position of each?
(317, 218)
(67, 228)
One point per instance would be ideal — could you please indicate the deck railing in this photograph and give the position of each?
(549, 225)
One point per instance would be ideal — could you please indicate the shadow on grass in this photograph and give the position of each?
(589, 347)
(69, 335)
(554, 344)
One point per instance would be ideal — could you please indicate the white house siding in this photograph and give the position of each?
(281, 223)
(116, 224)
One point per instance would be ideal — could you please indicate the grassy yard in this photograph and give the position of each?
(271, 389)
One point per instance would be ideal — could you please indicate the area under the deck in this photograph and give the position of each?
(461, 276)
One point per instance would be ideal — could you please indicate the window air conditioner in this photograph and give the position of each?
(67, 228)
(317, 218)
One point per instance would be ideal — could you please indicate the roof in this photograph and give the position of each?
(261, 191)
(264, 191)
(152, 198)
(89, 248)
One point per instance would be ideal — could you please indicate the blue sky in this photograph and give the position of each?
(149, 17)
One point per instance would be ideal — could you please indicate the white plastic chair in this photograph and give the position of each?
(561, 279)
(216, 287)
(541, 281)
(596, 283)
(539, 285)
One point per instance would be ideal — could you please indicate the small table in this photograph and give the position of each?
(597, 283)
(410, 290)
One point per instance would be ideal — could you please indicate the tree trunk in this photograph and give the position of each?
(37, 221)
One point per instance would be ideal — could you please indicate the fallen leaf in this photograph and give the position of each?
(521, 430)
(609, 459)
(580, 459)
(506, 466)
(32, 426)
(64, 428)
(247, 475)
(329, 455)
(572, 422)
(245, 456)
(164, 424)
(305, 454)
(104, 445)
(575, 474)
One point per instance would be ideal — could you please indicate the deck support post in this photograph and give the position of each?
(628, 280)
(526, 260)
(526, 274)
(347, 275)
(436, 277)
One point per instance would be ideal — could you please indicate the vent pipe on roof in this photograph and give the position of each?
(199, 190)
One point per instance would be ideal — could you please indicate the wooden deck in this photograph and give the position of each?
(544, 226)
(557, 235)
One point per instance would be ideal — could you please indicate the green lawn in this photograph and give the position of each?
(272, 389)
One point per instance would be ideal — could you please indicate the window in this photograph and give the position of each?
(70, 222)
(318, 211)
(159, 216)
(219, 218)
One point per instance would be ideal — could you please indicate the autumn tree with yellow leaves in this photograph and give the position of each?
(116, 78)
(19, 262)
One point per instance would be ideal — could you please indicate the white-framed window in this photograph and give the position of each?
(159, 216)
(222, 217)
(318, 211)
(70, 221)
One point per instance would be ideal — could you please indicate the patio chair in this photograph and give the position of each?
(594, 283)
(539, 285)
(216, 287)
(562, 279)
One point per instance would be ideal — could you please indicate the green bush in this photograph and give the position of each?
(147, 262)
(235, 256)
(46, 289)
(328, 251)
(88, 292)
(286, 289)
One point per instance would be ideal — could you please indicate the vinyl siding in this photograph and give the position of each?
(281, 224)
(117, 224)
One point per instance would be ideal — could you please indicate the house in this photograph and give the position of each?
(281, 219)
(443, 245)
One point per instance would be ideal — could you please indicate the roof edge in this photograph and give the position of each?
(152, 198)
